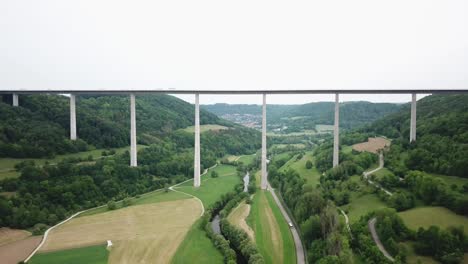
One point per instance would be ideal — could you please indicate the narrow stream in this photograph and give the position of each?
(215, 222)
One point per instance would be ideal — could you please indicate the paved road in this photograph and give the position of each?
(297, 239)
(377, 241)
(367, 173)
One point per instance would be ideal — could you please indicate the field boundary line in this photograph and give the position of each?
(175, 185)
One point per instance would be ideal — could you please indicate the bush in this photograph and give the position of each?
(309, 165)
(111, 205)
(127, 202)
(39, 229)
(214, 174)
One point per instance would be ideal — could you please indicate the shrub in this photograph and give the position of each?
(111, 205)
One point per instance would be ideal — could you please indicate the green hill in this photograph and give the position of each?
(306, 116)
(40, 126)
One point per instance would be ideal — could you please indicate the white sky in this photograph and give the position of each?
(361, 44)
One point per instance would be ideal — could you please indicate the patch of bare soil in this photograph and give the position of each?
(372, 145)
(19, 250)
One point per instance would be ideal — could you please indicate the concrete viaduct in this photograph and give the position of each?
(197, 181)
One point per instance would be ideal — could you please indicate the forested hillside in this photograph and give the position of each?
(442, 136)
(40, 126)
(306, 116)
(46, 192)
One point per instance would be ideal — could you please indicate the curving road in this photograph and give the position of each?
(297, 239)
(367, 173)
(377, 241)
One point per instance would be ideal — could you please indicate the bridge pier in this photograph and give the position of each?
(413, 118)
(196, 160)
(15, 100)
(72, 117)
(133, 145)
(336, 132)
(264, 181)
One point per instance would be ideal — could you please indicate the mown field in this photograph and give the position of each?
(432, 215)
(150, 230)
(238, 218)
(247, 159)
(272, 234)
(196, 246)
(90, 255)
(204, 128)
(7, 165)
(312, 176)
(362, 205)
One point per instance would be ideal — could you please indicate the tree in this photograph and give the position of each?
(111, 205)
(309, 165)
(214, 174)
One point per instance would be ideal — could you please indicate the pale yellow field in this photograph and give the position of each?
(148, 233)
(8, 235)
(237, 217)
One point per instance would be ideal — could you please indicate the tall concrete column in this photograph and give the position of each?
(133, 144)
(264, 148)
(72, 117)
(413, 118)
(196, 160)
(15, 100)
(336, 132)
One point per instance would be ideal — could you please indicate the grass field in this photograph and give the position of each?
(142, 233)
(204, 128)
(212, 188)
(413, 258)
(312, 176)
(427, 216)
(197, 247)
(7, 165)
(452, 180)
(360, 206)
(89, 255)
(272, 234)
(238, 217)
(324, 128)
(153, 197)
(346, 149)
(247, 159)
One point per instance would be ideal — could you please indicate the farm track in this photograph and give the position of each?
(377, 241)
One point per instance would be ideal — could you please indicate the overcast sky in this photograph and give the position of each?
(359, 44)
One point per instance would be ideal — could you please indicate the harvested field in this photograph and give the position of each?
(237, 217)
(8, 235)
(372, 145)
(148, 233)
(19, 250)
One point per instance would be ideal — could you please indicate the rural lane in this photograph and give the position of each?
(367, 173)
(297, 239)
(377, 240)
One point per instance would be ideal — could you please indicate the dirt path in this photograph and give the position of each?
(377, 240)
(346, 221)
(367, 173)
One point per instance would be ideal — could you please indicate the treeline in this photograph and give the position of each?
(39, 127)
(232, 239)
(306, 116)
(318, 218)
(442, 137)
(447, 246)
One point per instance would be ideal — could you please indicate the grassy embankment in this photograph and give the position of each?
(197, 247)
(7, 165)
(272, 235)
